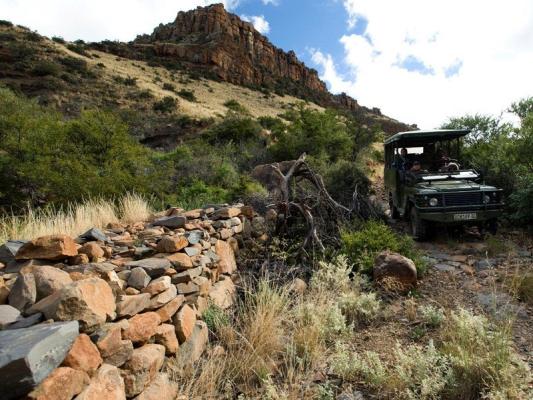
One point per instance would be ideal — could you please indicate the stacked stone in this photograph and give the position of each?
(95, 317)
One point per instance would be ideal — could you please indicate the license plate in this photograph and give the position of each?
(464, 216)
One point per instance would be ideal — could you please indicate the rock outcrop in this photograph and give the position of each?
(220, 45)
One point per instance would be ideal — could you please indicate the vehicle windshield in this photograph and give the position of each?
(431, 160)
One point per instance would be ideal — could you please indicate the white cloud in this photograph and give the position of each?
(273, 2)
(259, 22)
(96, 20)
(486, 42)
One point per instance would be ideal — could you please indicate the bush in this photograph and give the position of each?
(235, 106)
(74, 64)
(3, 22)
(168, 86)
(187, 95)
(166, 105)
(129, 81)
(431, 316)
(364, 245)
(359, 308)
(215, 318)
(234, 128)
(58, 39)
(78, 48)
(45, 68)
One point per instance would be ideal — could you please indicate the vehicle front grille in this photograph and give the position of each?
(462, 199)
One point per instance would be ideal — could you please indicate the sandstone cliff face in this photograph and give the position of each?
(229, 47)
(213, 41)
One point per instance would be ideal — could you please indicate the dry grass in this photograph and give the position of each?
(211, 95)
(74, 219)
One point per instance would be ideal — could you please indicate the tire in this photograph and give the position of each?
(419, 227)
(492, 226)
(394, 213)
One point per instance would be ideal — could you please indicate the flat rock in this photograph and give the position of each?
(107, 384)
(128, 306)
(27, 356)
(172, 244)
(444, 267)
(92, 234)
(168, 310)
(154, 267)
(26, 322)
(175, 221)
(158, 285)
(9, 249)
(142, 368)
(49, 279)
(51, 247)
(91, 269)
(195, 236)
(90, 301)
(163, 298)
(180, 261)
(226, 212)
(141, 327)
(62, 384)
(138, 278)
(8, 315)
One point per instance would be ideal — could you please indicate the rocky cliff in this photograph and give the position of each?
(220, 44)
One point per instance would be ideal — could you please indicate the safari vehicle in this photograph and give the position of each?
(428, 186)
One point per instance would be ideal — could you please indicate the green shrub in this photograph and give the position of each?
(129, 81)
(431, 316)
(166, 105)
(187, 95)
(359, 308)
(45, 68)
(3, 22)
(58, 39)
(215, 317)
(168, 86)
(362, 246)
(78, 48)
(74, 64)
(234, 128)
(235, 106)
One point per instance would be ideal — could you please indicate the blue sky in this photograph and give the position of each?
(419, 61)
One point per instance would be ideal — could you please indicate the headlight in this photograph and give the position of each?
(486, 199)
(433, 202)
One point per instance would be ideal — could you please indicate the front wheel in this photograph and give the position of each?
(419, 227)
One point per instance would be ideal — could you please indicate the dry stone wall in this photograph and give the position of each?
(95, 317)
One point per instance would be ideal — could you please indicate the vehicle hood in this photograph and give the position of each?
(452, 186)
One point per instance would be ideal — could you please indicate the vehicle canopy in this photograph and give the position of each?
(421, 138)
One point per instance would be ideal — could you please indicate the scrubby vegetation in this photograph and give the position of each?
(502, 153)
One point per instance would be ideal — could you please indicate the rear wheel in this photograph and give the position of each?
(394, 213)
(419, 227)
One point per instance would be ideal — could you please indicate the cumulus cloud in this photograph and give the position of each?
(97, 20)
(465, 57)
(259, 22)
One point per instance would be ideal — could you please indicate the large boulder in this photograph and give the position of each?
(90, 301)
(106, 385)
(27, 356)
(142, 368)
(395, 271)
(49, 279)
(51, 247)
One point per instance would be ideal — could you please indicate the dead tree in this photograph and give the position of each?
(285, 182)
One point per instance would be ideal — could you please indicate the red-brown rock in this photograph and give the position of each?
(83, 355)
(226, 263)
(107, 384)
(142, 327)
(63, 383)
(166, 335)
(52, 247)
(184, 322)
(142, 368)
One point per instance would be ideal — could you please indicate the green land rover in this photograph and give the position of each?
(427, 185)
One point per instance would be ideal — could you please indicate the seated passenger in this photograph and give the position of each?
(402, 163)
(416, 168)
